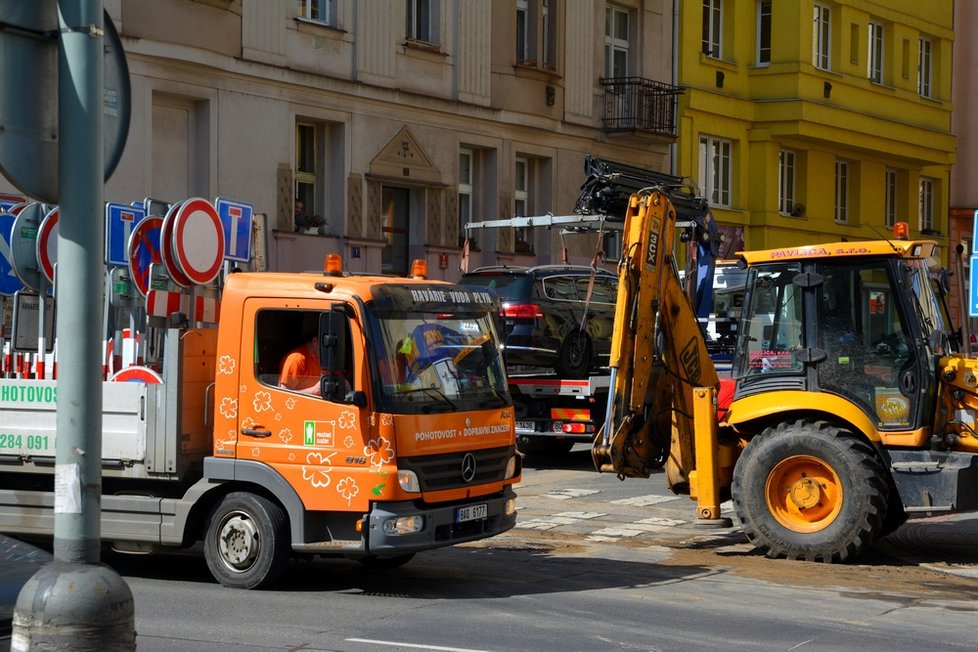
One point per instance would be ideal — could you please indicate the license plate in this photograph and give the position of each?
(525, 425)
(472, 513)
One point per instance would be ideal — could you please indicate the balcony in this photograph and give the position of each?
(635, 104)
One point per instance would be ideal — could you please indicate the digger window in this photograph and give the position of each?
(773, 326)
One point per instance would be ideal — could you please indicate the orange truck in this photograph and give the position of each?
(404, 443)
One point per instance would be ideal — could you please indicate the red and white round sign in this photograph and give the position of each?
(198, 240)
(136, 374)
(47, 243)
(167, 254)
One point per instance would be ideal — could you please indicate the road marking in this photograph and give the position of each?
(643, 501)
(617, 532)
(565, 494)
(416, 646)
(661, 520)
(580, 515)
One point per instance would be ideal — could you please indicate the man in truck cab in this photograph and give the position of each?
(300, 370)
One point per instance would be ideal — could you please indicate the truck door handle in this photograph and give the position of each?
(255, 432)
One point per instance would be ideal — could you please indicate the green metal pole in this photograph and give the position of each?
(75, 602)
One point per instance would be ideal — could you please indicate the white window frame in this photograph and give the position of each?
(713, 28)
(764, 26)
(822, 37)
(614, 44)
(787, 180)
(466, 189)
(925, 66)
(522, 31)
(422, 18)
(716, 165)
(320, 11)
(310, 177)
(842, 180)
(890, 193)
(522, 197)
(927, 186)
(876, 59)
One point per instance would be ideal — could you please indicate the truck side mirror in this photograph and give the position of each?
(333, 334)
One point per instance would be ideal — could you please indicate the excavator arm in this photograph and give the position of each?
(659, 360)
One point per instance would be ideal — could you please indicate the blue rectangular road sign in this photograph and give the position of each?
(236, 218)
(973, 284)
(120, 220)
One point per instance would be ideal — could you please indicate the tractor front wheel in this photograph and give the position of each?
(809, 490)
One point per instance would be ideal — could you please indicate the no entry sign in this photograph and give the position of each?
(47, 244)
(198, 240)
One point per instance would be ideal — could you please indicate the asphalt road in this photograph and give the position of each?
(595, 564)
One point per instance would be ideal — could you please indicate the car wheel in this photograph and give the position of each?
(575, 355)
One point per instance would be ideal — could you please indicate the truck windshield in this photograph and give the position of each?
(434, 356)
(930, 309)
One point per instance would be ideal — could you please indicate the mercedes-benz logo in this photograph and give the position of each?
(468, 467)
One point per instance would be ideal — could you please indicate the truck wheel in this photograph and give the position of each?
(247, 541)
(574, 358)
(808, 490)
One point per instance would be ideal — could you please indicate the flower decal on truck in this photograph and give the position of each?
(229, 407)
(378, 452)
(317, 474)
(262, 401)
(348, 419)
(347, 487)
(225, 366)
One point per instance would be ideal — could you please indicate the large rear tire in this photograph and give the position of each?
(808, 490)
(247, 541)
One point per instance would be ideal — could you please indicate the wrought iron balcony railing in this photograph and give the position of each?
(638, 104)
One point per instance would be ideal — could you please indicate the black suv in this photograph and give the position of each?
(542, 322)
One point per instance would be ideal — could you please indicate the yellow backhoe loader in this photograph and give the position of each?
(852, 404)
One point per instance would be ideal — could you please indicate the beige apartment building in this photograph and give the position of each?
(393, 122)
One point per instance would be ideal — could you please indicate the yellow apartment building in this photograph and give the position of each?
(814, 121)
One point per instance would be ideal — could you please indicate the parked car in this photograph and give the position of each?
(548, 321)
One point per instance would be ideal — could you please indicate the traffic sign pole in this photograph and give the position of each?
(76, 602)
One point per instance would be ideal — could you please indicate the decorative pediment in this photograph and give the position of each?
(403, 158)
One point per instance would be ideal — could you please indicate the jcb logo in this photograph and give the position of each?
(652, 254)
(691, 361)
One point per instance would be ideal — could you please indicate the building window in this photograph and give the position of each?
(926, 204)
(763, 32)
(842, 192)
(318, 10)
(465, 192)
(521, 186)
(712, 28)
(890, 210)
(548, 33)
(924, 68)
(875, 71)
(536, 33)
(786, 182)
(822, 37)
(421, 20)
(616, 42)
(714, 160)
(308, 176)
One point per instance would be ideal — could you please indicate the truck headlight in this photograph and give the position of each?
(408, 481)
(512, 467)
(403, 525)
